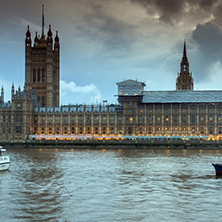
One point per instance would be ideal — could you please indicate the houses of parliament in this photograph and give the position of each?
(34, 111)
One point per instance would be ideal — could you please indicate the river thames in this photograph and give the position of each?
(111, 185)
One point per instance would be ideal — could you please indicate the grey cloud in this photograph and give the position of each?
(172, 10)
(208, 36)
(105, 28)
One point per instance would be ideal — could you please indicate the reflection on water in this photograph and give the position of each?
(111, 185)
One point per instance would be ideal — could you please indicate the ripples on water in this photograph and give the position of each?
(110, 185)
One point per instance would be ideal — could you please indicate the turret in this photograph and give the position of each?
(49, 37)
(28, 40)
(2, 95)
(36, 40)
(56, 44)
(13, 89)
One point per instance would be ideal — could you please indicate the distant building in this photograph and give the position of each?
(35, 111)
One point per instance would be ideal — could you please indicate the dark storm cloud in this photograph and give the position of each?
(208, 36)
(171, 11)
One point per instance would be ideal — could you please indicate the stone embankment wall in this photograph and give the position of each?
(113, 144)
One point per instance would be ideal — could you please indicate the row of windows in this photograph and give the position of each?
(88, 119)
(73, 130)
(39, 75)
(18, 129)
(130, 130)
(41, 101)
(175, 119)
(175, 130)
(95, 119)
(160, 110)
(18, 118)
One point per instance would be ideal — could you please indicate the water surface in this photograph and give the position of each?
(111, 185)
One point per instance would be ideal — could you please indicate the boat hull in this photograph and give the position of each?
(4, 166)
(218, 168)
(4, 163)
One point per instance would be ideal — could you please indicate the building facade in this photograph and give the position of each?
(34, 112)
(42, 60)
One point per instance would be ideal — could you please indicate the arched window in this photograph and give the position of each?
(43, 101)
(43, 75)
(34, 75)
(39, 75)
(38, 100)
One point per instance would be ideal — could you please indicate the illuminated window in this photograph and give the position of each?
(211, 119)
(131, 119)
(202, 119)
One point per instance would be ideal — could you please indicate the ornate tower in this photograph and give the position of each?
(42, 66)
(184, 78)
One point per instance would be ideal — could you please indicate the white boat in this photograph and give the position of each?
(4, 160)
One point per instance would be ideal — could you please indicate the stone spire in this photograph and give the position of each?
(184, 78)
(43, 22)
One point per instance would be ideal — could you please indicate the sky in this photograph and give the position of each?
(103, 42)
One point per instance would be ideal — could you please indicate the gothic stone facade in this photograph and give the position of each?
(143, 113)
(42, 67)
(36, 110)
